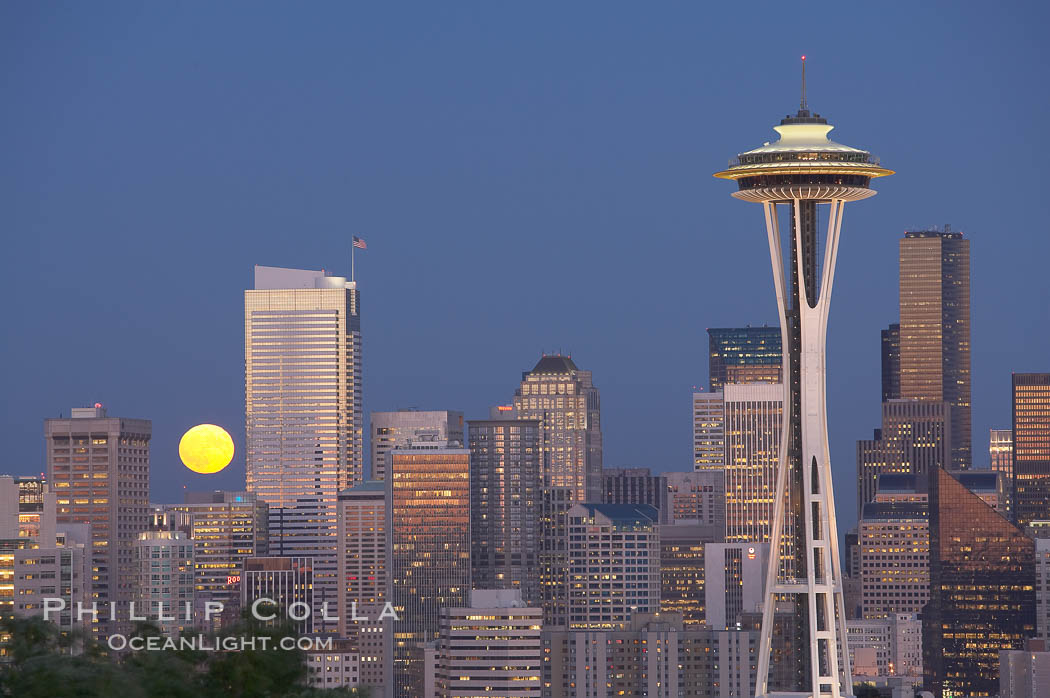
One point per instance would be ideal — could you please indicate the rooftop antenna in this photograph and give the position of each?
(802, 104)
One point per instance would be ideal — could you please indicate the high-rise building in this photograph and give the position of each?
(309, 529)
(709, 434)
(851, 588)
(891, 363)
(165, 580)
(753, 423)
(9, 550)
(798, 173)
(302, 349)
(21, 506)
(613, 563)
(633, 486)
(392, 429)
(935, 328)
(985, 484)
(1001, 451)
(734, 581)
(887, 647)
(362, 571)
(505, 505)
(744, 355)
(362, 545)
(682, 571)
(567, 404)
(225, 529)
(57, 570)
(1024, 673)
(428, 549)
(1031, 443)
(655, 655)
(99, 468)
(1001, 460)
(697, 498)
(304, 426)
(915, 438)
(894, 543)
(982, 591)
(490, 648)
(1042, 589)
(284, 582)
(555, 503)
(42, 561)
(335, 667)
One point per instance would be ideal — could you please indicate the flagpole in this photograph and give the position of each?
(352, 259)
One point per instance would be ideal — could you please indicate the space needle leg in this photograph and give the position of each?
(776, 533)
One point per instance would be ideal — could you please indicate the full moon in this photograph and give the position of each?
(206, 449)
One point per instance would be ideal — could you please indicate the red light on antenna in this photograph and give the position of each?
(98, 405)
(803, 58)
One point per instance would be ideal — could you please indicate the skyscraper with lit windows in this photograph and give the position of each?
(302, 354)
(225, 528)
(754, 416)
(891, 362)
(99, 469)
(567, 404)
(391, 429)
(1001, 460)
(505, 504)
(363, 577)
(709, 432)
(744, 355)
(982, 591)
(304, 438)
(1031, 447)
(935, 328)
(428, 524)
(915, 438)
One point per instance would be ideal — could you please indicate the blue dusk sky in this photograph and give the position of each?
(529, 177)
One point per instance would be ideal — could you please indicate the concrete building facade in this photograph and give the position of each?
(98, 466)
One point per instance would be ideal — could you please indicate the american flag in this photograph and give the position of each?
(359, 243)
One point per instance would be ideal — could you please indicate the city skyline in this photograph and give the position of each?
(611, 459)
(672, 97)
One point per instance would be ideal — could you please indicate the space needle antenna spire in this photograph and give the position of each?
(802, 104)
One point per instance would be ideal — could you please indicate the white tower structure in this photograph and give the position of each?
(792, 176)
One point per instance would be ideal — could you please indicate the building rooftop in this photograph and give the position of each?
(279, 278)
(366, 486)
(978, 480)
(947, 234)
(555, 363)
(896, 483)
(625, 514)
(894, 511)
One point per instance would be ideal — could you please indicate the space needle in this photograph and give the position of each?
(796, 177)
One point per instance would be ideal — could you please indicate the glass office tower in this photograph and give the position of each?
(982, 591)
(428, 490)
(304, 438)
(743, 355)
